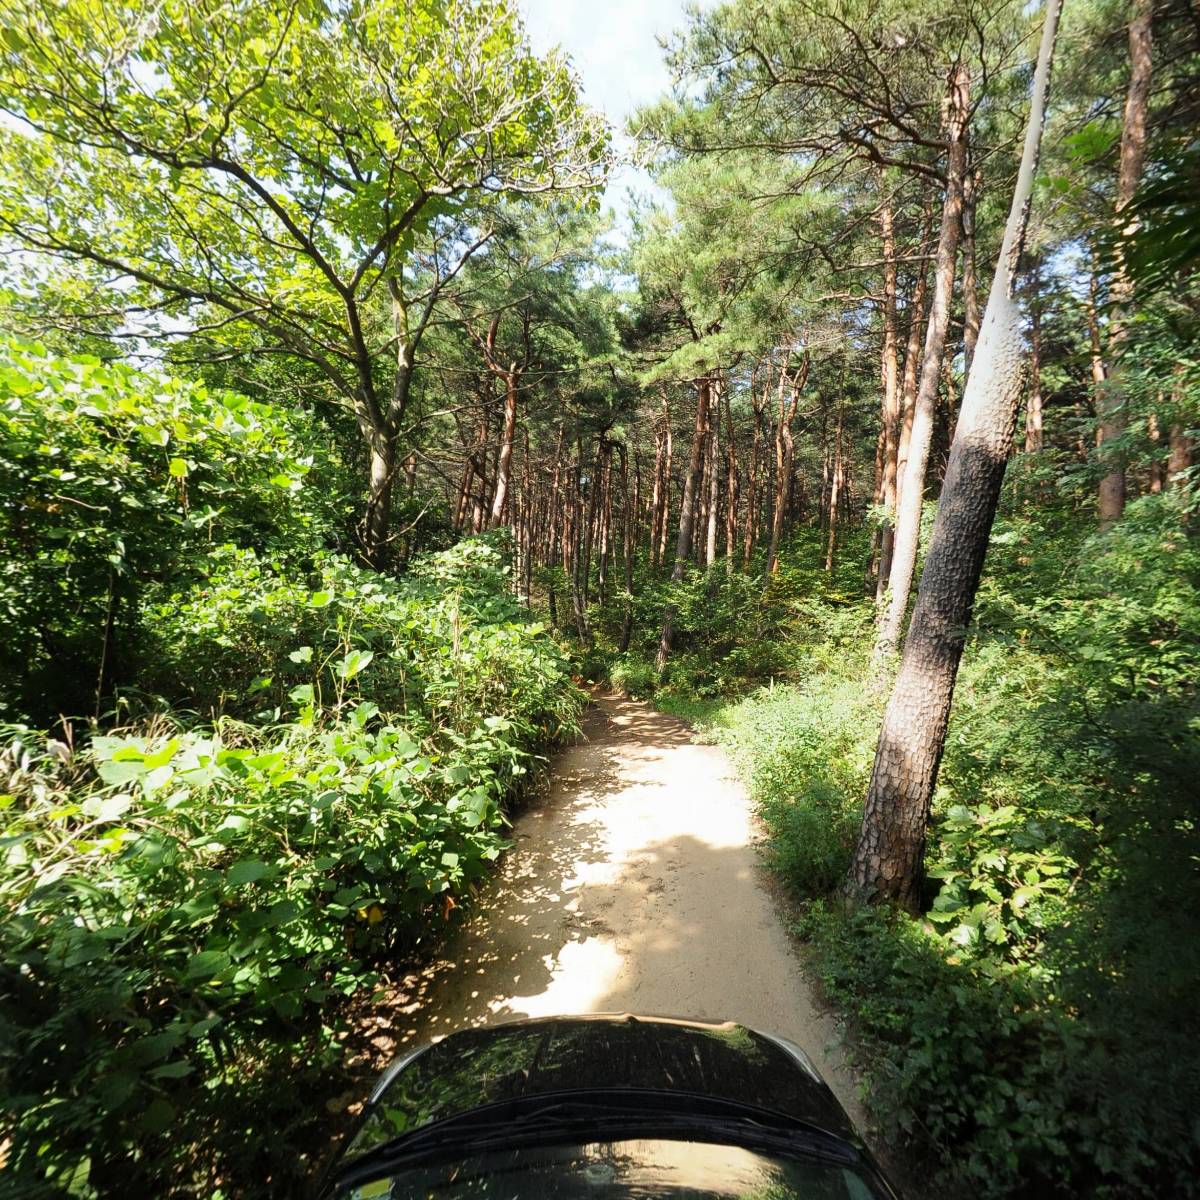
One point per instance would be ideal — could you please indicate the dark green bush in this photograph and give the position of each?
(310, 780)
(1033, 1033)
(188, 908)
(112, 480)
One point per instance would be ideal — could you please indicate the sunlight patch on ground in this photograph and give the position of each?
(580, 976)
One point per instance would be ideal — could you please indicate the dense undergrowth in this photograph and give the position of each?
(1033, 1032)
(290, 774)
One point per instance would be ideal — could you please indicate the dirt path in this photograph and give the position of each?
(634, 886)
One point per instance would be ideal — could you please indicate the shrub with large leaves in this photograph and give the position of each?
(111, 479)
(188, 908)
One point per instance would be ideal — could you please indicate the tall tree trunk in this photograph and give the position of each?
(759, 402)
(906, 404)
(731, 487)
(1110, 400)
(714, 478)
(382, 478)
(629, 532)
(699, 541)
(504, 461)
(665, 524)
(888, 860)
(889, 369)
(687, 516)
(656, 492)
(1096, 353)
(1179, 455)
(784, 455)
(604, 520)
(970, 289)
(581, 559)
(912, 487)
(835, 491)
(480, 493)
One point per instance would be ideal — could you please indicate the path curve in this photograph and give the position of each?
(634, 886)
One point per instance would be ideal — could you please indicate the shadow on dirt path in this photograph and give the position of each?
(634, 885)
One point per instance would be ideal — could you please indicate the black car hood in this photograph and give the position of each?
(601, 1053)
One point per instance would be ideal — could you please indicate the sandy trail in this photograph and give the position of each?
(634, 886)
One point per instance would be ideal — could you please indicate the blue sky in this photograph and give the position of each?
(612, 44)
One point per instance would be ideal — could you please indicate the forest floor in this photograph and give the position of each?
(634, 885)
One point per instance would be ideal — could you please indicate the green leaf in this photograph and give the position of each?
(107, 808)
(354, 663)
(178, 468)
(207, 964)
(172, 1070)
(249, 870)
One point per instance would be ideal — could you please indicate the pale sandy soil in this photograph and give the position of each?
(634, 886)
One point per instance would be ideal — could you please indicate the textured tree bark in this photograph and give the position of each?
(628, 535)
(656, 493)
(759, 401)
(731, 488)
(604, 523)
(912, 486)
(687, 515)
(665, 524)
(479, 460)
(785, 452)
(714, 479)
(589, 524)
(907, 403)
(889, 428)
(377, 518)
(1096, 353)
(1179, 454)
(507, 437)
(888, 860)
(970, 288)
(581, 550)
(1110, 398)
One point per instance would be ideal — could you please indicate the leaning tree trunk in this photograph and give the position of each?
(687, 519)
(1110, 399)
(887, 863)
(912, 486)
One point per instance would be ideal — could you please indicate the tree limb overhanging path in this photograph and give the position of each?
(634, 885)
